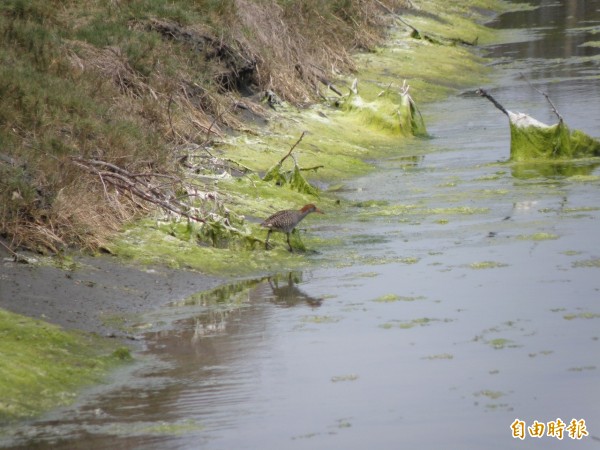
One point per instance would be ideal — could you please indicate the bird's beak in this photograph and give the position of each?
(319, 211)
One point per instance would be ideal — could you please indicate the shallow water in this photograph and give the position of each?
(467, 297)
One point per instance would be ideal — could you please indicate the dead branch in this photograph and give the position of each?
(135, 185)
(292, 149)
(329, 84)
(560, 119)
(483, 93)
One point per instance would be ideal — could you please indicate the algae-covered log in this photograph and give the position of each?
(531, 139)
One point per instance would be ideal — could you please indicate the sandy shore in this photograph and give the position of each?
(99, 290)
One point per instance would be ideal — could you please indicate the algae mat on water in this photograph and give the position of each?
(43, 366)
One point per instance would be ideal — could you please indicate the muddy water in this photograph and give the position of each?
(467, 296)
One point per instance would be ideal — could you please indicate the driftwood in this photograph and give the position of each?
(137, 184)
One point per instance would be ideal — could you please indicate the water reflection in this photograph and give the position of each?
(563, 28)
(285, 291)
(554, 169)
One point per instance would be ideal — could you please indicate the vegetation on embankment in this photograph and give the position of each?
(104, 106)
(135, 84)
(189, 103)
(44, 366)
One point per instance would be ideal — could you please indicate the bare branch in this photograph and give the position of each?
(545, 95)
(292, 149)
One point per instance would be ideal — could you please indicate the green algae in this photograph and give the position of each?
(494, 395)
(590, 263)
(500, 343)
(586, 315)
(389, 112)
(439, 356)
(350, 377)
(318, 319)
(391, 298)
(534, 140)
(148, 243)
(492, 177)
(407, 324)
(486, 265)
(537, 237)
(581, 369)
(160, 428)
(420, 210)
(338, 139)
(44, 366)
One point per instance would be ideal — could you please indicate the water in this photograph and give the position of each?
(474, 301)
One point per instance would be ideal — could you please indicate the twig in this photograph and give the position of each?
(560, 119)
(292, 149)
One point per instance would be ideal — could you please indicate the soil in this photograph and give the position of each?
(97, 295)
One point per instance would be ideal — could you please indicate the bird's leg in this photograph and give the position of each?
(289, 243)
(267, 241)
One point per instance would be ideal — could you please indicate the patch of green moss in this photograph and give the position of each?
(44, 366)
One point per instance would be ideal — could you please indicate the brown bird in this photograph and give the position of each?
(285, 221)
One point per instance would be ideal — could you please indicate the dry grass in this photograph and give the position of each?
(129, 82)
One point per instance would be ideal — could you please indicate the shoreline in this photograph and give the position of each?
(92, 296)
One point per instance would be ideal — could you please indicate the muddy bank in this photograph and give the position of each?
(100, 294)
